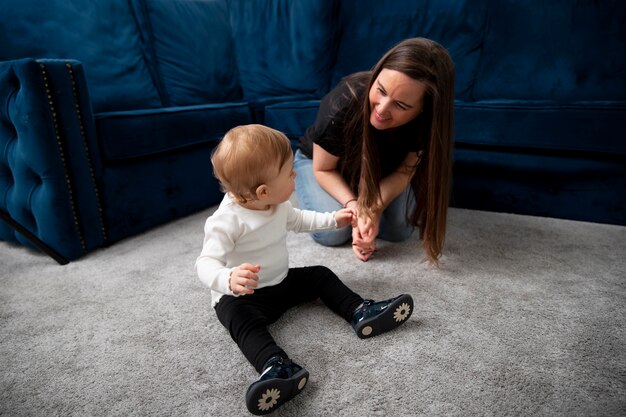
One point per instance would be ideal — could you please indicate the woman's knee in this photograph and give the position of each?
(396, 234)
(310, 194)
(331, 238)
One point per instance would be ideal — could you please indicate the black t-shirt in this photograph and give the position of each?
(327, 131)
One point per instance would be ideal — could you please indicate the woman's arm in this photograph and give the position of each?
(364, 238)
(394, 184)
(325, 171)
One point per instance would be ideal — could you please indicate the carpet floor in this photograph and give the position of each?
(525, 317)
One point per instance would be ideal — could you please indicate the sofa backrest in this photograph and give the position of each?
(102, 34)
(189, 46)
(369, 28)
(284, 47)
(555, 50)
(141, 54)
(137, 54)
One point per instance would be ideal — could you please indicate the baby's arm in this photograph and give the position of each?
(219, 242)
(310, 221)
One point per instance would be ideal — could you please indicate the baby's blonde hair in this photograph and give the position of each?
(247, 157)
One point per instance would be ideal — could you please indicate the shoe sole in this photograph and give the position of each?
(397, 313)
(266, 396)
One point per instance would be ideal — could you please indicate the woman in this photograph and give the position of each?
(382, 145)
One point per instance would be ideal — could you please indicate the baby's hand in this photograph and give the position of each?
(345, 217)
(244, 278)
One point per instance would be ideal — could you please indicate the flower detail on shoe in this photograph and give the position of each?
(281, 380)
(373, 318)
(402, 312)
(269, 399)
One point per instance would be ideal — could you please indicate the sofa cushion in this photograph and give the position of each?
(100, 34)
(579, 127)
(190, 47)
(560, 50)
(284, 47)
(151, 191)
(540, 185)
(370, 29)
(144, 133)
(292, 118)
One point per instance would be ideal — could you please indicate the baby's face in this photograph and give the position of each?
(283, 185)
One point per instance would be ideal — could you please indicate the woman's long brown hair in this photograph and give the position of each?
(428, 62)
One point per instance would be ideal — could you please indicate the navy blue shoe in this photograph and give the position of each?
(373, 318)
(280, 382)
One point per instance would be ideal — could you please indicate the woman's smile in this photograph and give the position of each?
(395, 99)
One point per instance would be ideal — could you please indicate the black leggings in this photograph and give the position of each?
(247, 317)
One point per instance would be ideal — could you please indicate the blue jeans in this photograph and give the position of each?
(394, 226)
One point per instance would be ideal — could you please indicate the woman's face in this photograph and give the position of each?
(395, 99)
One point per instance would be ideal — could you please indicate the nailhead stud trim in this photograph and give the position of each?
(70, 72)
(44, 74)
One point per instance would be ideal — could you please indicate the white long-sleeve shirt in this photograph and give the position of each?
(234, 235)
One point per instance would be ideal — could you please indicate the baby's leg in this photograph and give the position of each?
(247, 324)
(367, 317)
(247, 318)
(313, 282)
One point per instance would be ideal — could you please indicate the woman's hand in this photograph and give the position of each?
(364, 237)
(243, 279)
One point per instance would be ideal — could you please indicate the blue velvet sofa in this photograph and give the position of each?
(109, 109)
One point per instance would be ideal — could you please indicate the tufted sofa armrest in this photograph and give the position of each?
(49, 159)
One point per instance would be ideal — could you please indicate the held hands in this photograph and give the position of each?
(244, 278)
(364, 237)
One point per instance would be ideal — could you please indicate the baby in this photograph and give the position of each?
(244, 261)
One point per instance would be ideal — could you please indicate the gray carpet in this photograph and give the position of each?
(525, 317)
